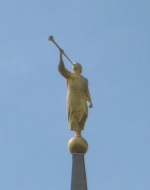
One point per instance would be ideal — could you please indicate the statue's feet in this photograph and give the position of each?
(78, 133)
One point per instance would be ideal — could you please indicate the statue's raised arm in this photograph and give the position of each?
(61, 67)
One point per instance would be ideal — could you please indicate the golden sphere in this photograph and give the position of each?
(78, 144)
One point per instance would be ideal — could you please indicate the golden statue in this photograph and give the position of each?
(77, 96)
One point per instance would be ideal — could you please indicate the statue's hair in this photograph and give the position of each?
(79, 66)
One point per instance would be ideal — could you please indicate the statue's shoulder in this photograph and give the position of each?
(85, 79)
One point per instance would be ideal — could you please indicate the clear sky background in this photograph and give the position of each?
(111, 39)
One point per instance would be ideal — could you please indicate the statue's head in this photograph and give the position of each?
(77, 68)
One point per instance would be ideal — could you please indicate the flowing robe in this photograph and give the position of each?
(77, 95)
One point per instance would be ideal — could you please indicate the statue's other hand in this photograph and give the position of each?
(61, 51)
(90, 104)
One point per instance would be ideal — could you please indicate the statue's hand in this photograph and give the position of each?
(61, 51)
(90, 104)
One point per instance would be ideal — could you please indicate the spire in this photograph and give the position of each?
(78, 147)
(78, 181)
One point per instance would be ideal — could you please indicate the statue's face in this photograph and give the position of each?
(77, 68)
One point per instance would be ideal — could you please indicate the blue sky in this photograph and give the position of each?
(111, 39)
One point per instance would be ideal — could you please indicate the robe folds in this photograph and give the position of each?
(77, 95)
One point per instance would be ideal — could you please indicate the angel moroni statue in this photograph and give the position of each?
(77, 96)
